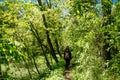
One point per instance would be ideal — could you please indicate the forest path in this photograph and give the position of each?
(67, 74)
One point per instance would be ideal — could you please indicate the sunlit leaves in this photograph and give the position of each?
(76, 23)
(9, 51)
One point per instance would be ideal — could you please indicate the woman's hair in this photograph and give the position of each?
(67, 48)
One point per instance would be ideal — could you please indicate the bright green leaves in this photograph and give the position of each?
(54, 21)
(72, 22)
(10, 14)
(113, 68)
(9, 51)
(81, 6)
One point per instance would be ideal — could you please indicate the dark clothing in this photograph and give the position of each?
(67, 64)
(68, 58)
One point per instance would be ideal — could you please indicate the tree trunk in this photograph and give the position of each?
(36, 66)
(47, 61)
(35, 33)
(0, 72)
(1, 76)
(51, 48)
(47, 33)
(106, 18)
(57, 46)
(27, 65)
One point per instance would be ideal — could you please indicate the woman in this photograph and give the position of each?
(67, 57)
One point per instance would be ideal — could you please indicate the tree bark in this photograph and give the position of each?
(57, 46)
(35, 33)
(27, 65)
(52, 51)
(36, 66)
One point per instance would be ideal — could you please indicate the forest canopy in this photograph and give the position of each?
(35, 33)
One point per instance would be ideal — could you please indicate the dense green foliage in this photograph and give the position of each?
(34, 34)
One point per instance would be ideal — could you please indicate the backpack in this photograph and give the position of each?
(67, 56)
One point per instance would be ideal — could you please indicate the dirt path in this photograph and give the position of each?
(67, 75)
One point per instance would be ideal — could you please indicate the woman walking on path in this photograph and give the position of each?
(67, 57)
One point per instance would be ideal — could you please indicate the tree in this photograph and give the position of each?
(106, 14)
(47, 33)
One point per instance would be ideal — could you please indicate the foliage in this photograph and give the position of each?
(24, 46)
